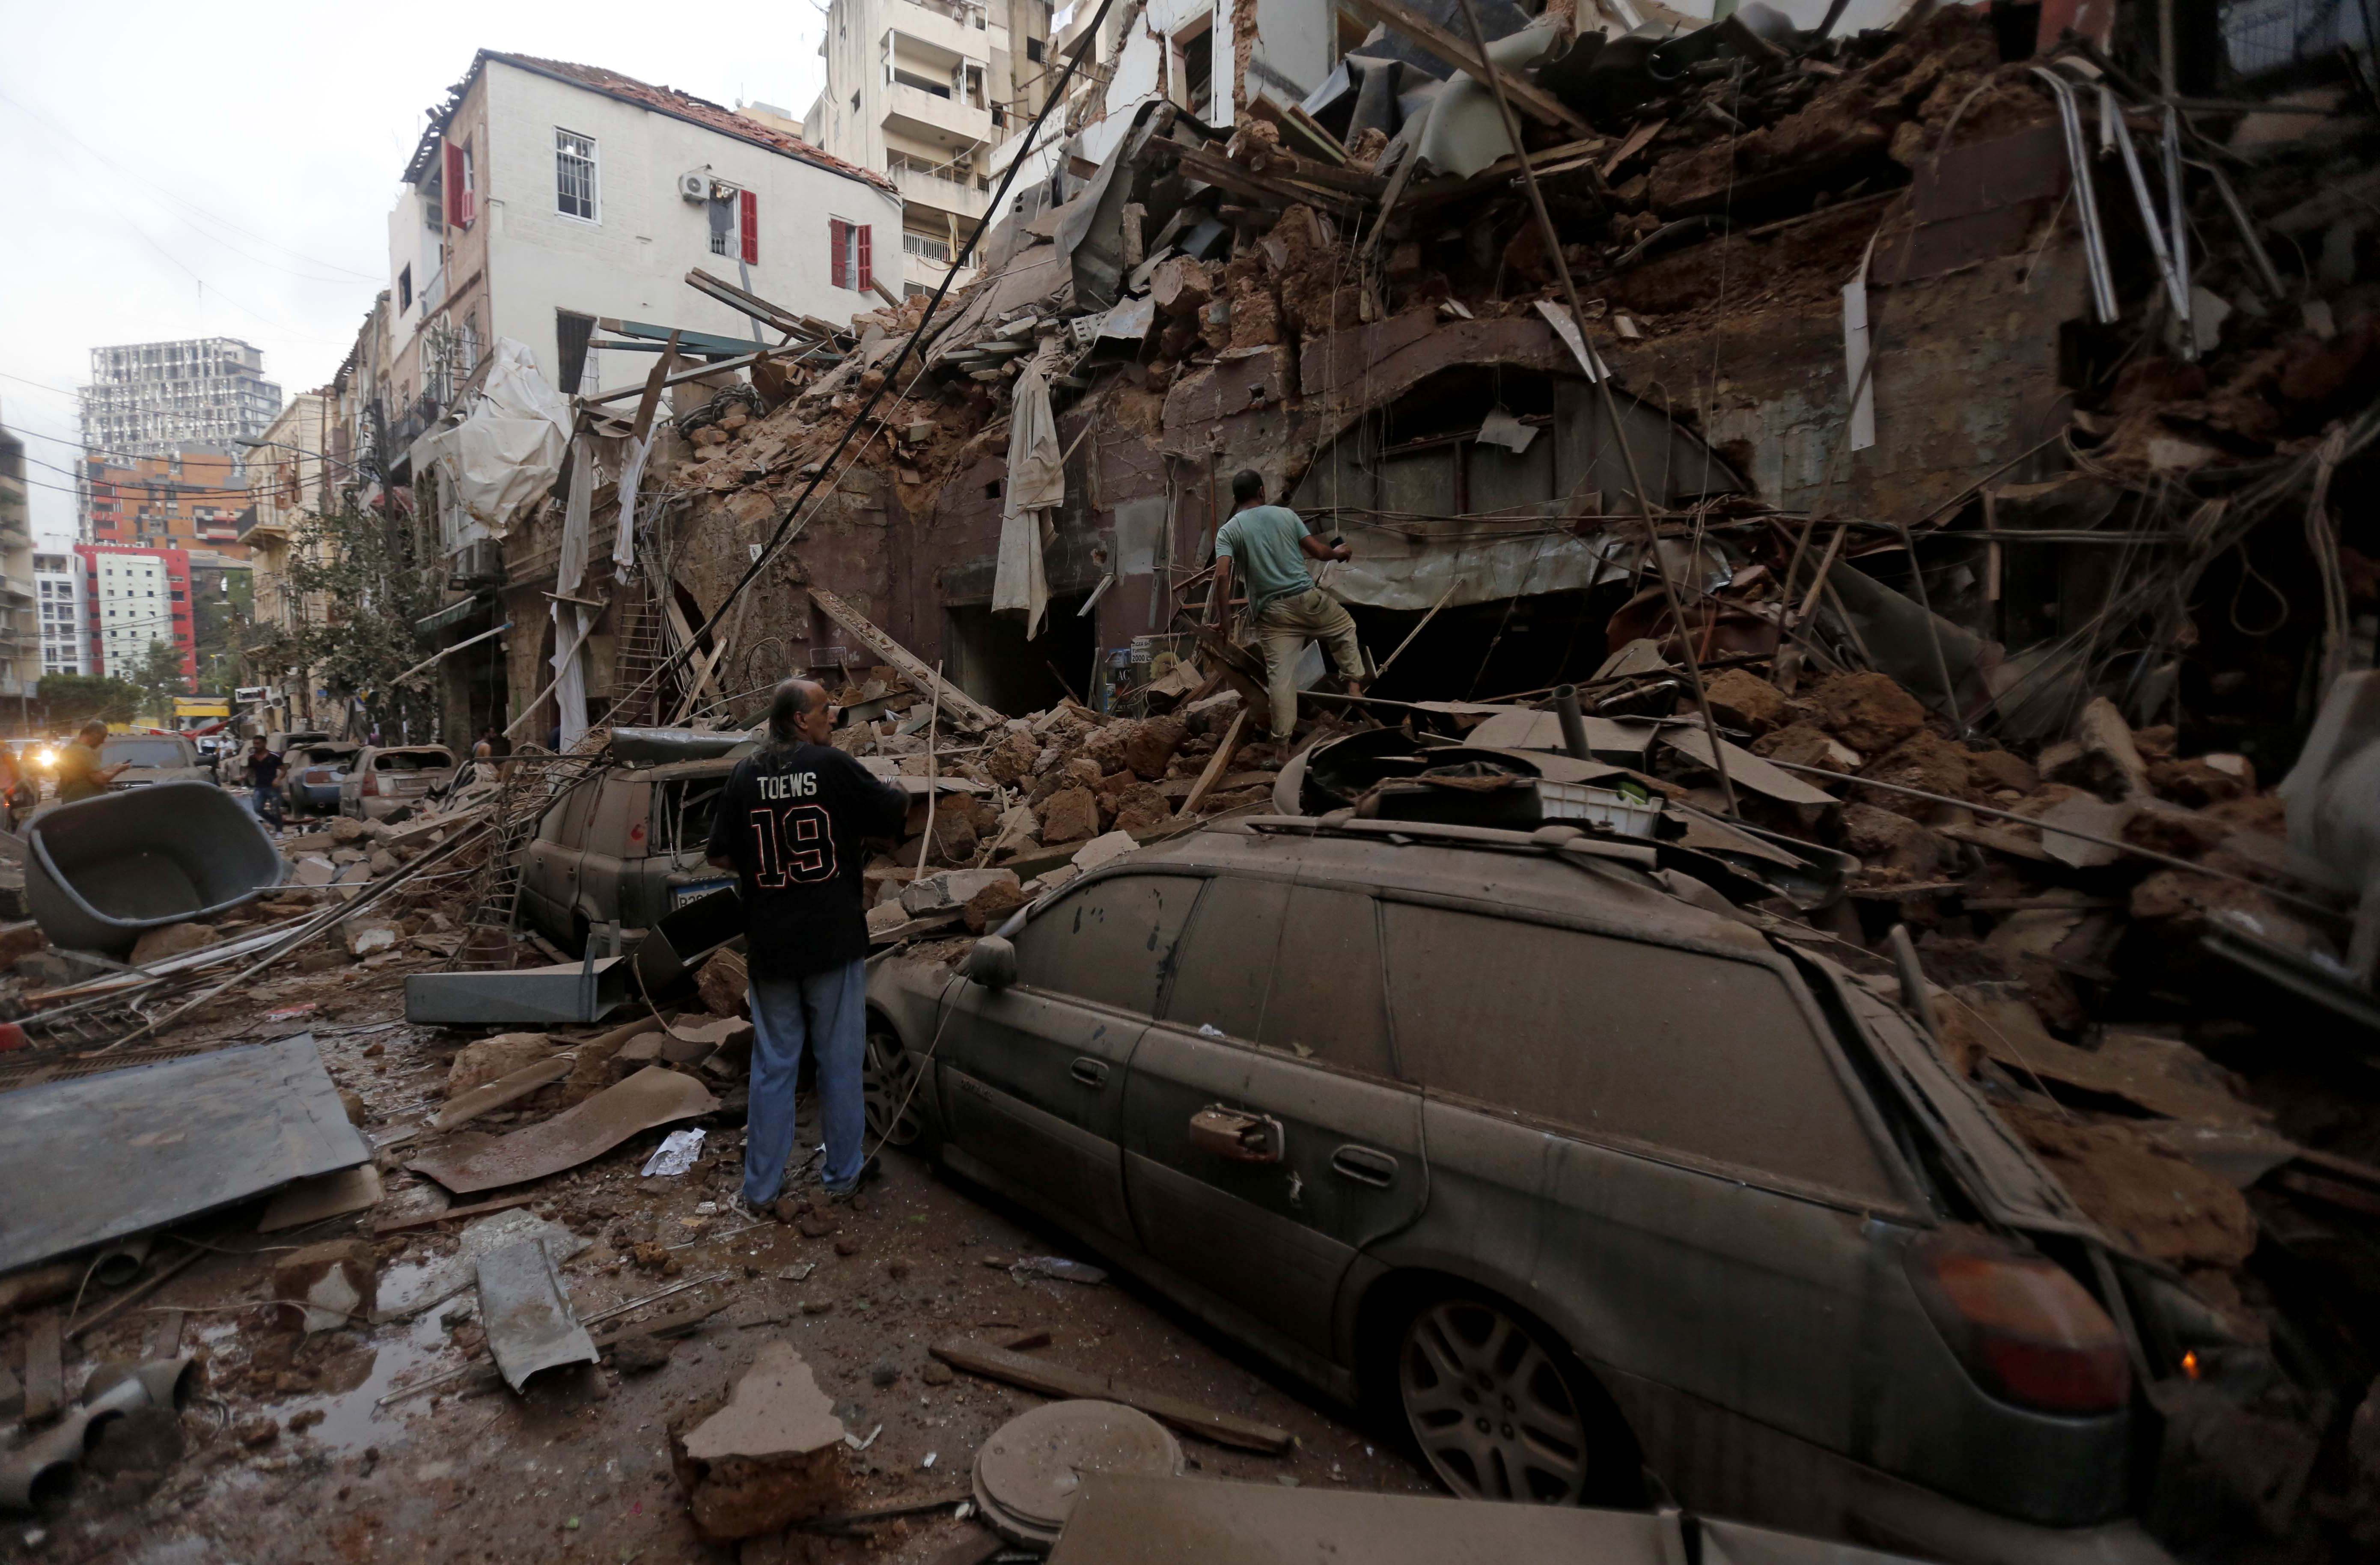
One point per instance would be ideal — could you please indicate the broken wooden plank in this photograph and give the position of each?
(46, 1374)
(1056, 1380)
(925, 681)
(1217, 764)
(745, 302)
(452, 1214)
(1527, 96)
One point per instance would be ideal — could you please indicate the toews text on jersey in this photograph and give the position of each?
(792, 819)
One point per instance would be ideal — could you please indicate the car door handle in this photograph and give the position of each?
(1365, 1165)
(1090, 1073)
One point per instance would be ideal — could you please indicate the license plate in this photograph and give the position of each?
(681, 895)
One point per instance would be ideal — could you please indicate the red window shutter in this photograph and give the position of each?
(458, 205)
(836, 230)
(866, 263)
(747, 218)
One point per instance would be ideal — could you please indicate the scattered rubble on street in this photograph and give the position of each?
(1807, 458)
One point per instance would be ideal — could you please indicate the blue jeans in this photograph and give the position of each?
(828, 1011)
(265, 802)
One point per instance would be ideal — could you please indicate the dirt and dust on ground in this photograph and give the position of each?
(306, 1448)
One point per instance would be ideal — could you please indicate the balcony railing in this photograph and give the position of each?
(943, 189)
(953, 116)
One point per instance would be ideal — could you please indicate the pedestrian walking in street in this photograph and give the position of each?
(790, 823)
(80, 774)
(264, 782)
(1269, 545)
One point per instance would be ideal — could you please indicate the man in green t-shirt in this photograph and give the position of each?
(80, 774)
(1269, 545)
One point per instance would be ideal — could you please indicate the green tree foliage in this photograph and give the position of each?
(158, 677)
(74, 700)
(375, 574)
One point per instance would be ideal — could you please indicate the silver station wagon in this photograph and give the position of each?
(1600, 1189)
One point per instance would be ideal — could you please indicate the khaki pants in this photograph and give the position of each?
(1284, 628)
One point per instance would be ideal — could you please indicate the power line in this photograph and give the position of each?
(44, 385)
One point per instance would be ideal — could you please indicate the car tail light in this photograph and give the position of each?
(371, 788)
(2027, 1331)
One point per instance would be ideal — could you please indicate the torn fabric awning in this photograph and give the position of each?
(1037, 486)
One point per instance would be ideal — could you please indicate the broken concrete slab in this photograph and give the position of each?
(529, 1320)
(363, 936)
(771, 1456)
(324, 1287)
(492, 1059)
(654, 1095)
(1103, 850)
(172, 941)
(946, 890)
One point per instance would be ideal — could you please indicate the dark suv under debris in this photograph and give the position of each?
(1562, 1157)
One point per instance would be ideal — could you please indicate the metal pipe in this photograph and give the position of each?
(1574, 725)
(43, 1468)
(1610, 404)
(2086, 199)
(1913, 998)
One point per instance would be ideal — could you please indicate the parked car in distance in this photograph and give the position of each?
(311, 775)
(383, 778)
(153, 757)
(1532, 1144)
(623, 848)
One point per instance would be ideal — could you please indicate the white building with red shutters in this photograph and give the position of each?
(561, 205)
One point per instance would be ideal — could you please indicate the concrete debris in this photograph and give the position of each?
(327, 1286)
(771, 1456)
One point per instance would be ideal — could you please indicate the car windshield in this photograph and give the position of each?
(144, 752)
(683, 813)
(412, 761)
(320, 754)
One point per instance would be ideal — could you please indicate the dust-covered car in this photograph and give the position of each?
(622, 849)
(311, 775)
(153, 757)
(1542, 1145)
(384, 779)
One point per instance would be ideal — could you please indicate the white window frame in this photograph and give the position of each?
(594, 158)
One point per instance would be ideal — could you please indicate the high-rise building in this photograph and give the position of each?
(923, 91)
(58, 588)
(182, 500)
(20, 644)
(147, 399)
(137, 596)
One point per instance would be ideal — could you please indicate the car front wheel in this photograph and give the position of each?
(1501, 1411)
(890, 1082)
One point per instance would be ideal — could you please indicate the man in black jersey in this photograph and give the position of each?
(789, 824)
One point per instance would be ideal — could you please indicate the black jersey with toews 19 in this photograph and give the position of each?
(791, 819)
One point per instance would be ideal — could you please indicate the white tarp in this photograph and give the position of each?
(502, 455)
(1037, 486)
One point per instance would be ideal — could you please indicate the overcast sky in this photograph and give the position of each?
(226, 170)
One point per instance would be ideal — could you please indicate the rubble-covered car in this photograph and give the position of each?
(153, 757)
(383, 780)
(1550, 1148)
(622, 849)
(311, 775)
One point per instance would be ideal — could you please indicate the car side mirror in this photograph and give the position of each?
(990, 962)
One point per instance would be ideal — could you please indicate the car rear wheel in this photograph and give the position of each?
(894, 1118)
(1500, 1411)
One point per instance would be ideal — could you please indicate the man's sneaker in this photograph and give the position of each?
(869, 1172)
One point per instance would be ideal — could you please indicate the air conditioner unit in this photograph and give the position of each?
(695, 186)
